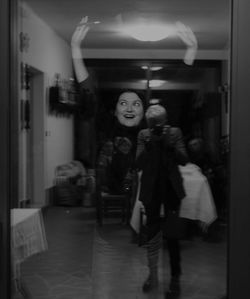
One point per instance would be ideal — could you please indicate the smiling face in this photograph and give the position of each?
(129, 109)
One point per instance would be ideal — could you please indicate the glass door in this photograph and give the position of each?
(16, 192)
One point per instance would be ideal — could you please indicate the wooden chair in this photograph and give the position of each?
(110, 205)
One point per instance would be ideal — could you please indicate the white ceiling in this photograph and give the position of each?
(209, 20)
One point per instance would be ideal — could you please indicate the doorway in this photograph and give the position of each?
(37, 138)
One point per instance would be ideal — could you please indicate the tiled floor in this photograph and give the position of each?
(85, 261)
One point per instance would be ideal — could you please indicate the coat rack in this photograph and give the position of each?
(63, 97)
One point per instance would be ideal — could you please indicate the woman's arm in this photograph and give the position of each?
(140, 144)
(89, 99)
(180, 148)
(76, 40)
(187, 36)
(143, 146)
(174, 146)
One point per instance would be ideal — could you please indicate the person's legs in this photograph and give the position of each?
(175, 268)
(153, 248)
(174, 257)
(153, 245)
(173, 246)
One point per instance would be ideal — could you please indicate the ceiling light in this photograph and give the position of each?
(155, 83)
(148, 32)
(152, 68)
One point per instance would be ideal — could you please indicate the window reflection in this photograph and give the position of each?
(80, 253)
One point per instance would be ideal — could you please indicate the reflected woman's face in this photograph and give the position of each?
(129, 109)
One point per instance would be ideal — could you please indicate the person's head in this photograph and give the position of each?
(129, 109)
(195, 146)
(156, 114)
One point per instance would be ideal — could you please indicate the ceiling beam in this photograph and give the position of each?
(152, 54)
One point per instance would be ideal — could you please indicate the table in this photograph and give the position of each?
(197, 205)
(27, 237)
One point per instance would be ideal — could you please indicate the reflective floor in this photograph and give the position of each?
(85, 261)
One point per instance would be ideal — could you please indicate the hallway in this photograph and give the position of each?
(85, 261)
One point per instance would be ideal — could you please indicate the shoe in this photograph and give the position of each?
(150, 284)
(174, 288)
(172, 295)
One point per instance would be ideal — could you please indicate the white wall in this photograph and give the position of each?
(50, 54)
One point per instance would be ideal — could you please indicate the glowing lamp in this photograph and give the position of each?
(152, 68)
(148, 32)
(154, 83)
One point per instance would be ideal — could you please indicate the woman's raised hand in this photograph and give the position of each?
(80, 32)
(187, 36)
(76, 40)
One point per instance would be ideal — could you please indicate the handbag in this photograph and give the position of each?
(174, 226)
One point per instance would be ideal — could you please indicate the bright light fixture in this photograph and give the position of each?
(148, 32)
(152, 68)
(155, 83)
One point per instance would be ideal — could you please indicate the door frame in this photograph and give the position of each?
(37, 124)
(239, 195)
(8, 134)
